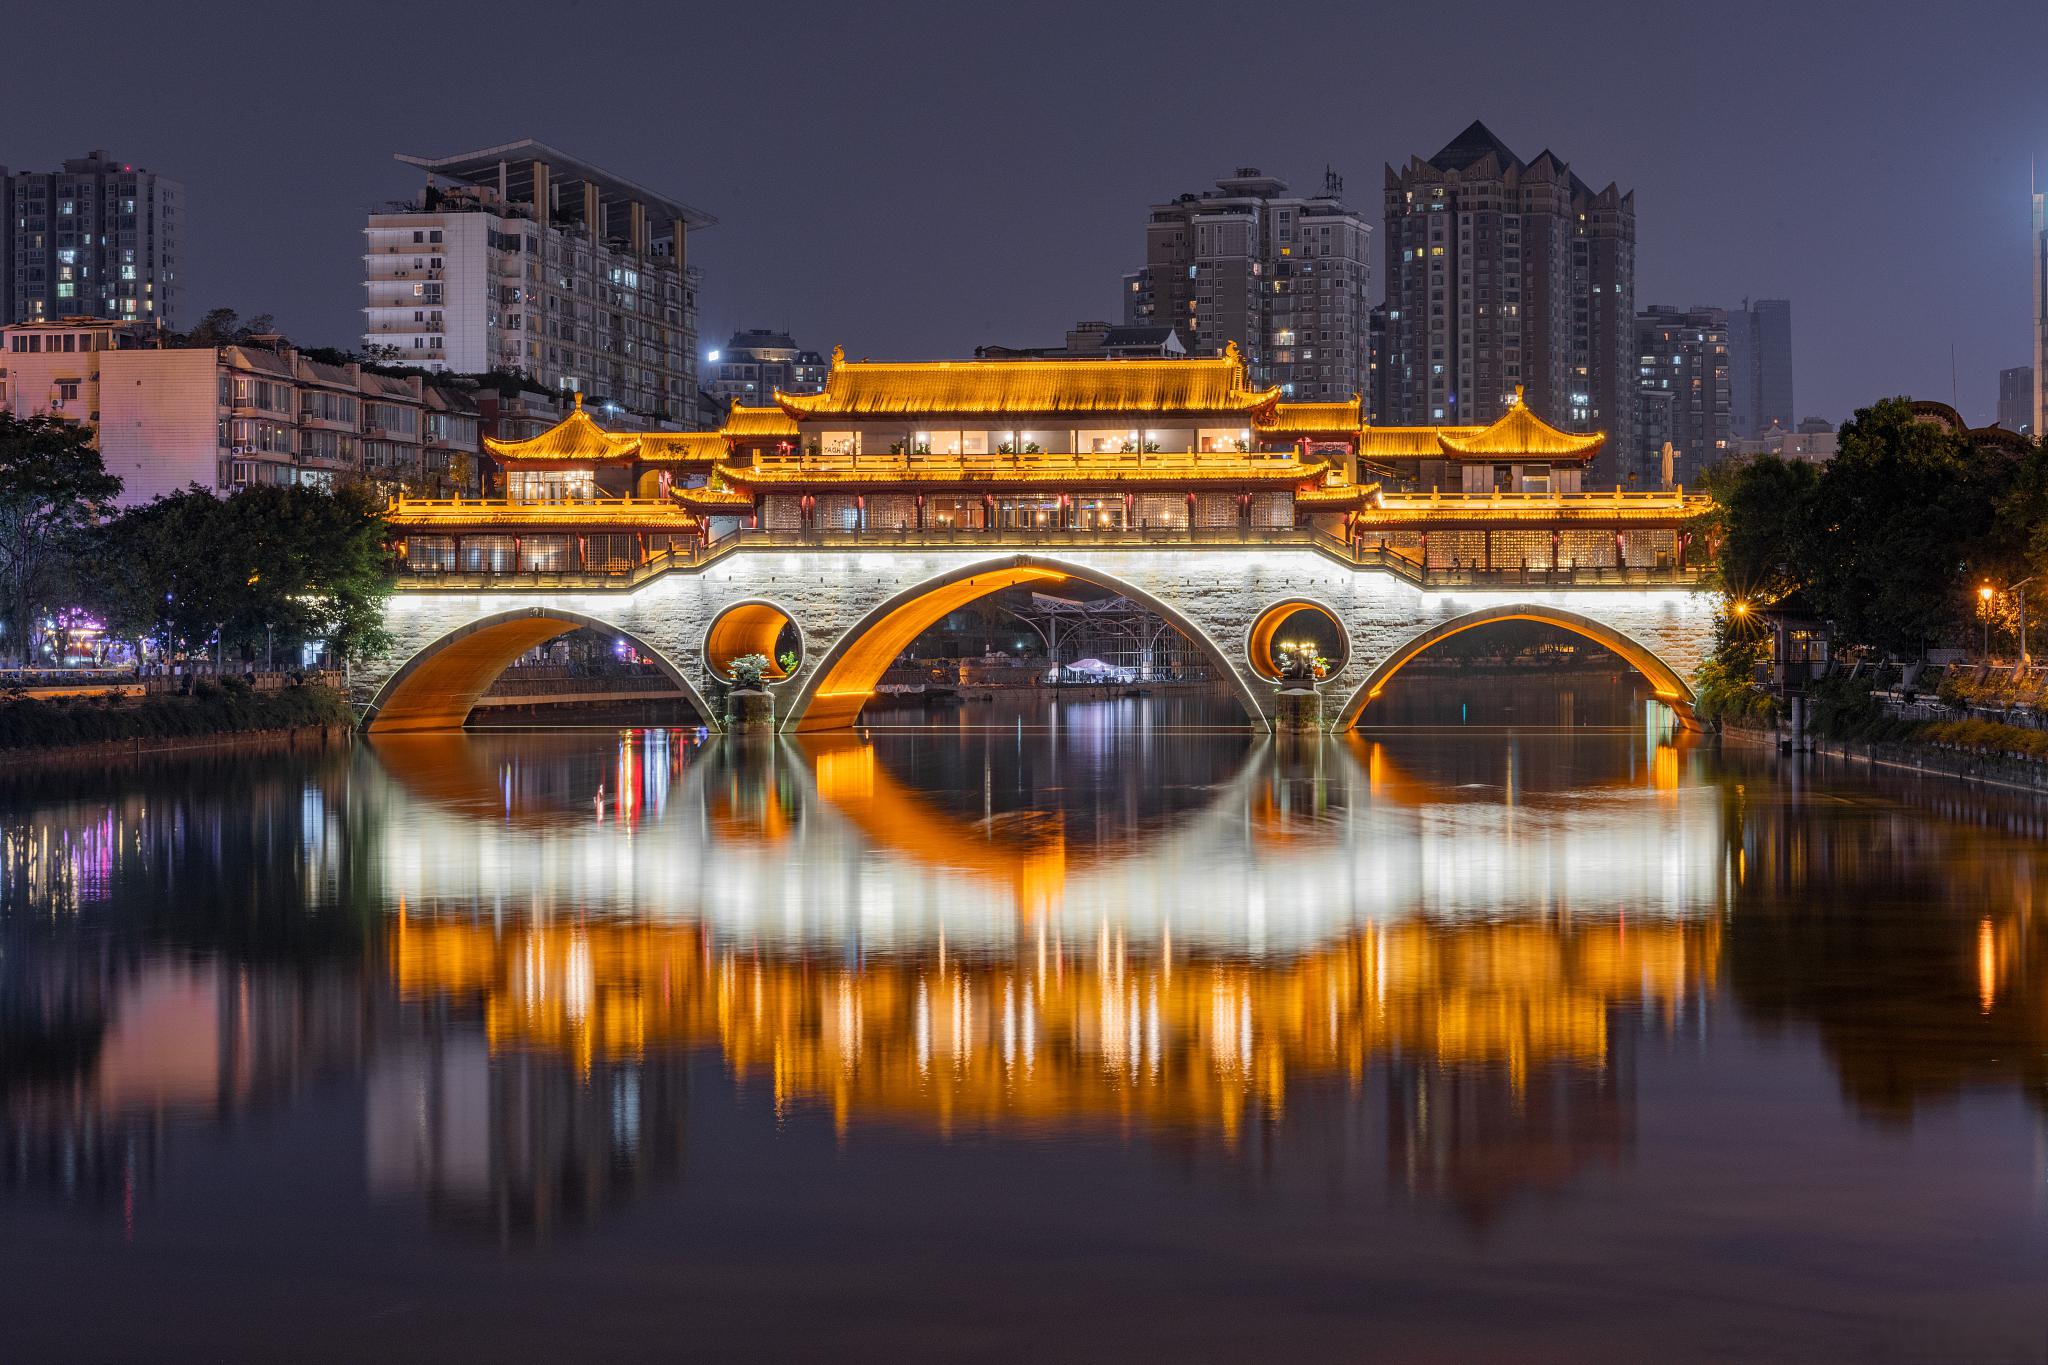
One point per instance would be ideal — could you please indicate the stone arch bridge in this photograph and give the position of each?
(857, 608)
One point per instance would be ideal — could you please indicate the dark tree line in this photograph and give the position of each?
(265, 569)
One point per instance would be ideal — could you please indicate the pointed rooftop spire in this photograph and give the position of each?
(1471, 146)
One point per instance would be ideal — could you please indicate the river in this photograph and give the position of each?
(1094, 1031)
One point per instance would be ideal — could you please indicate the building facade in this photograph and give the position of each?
(524, 259)
(2040, 313)
(1683, 391)
(1760, 366)
(756, 363)
(100, 239)
(227, 417)
(1506, 275)
(1072, 449)
(2016, 399)
(1285, 278)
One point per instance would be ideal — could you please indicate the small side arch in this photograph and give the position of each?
(1665, 681)
(436, 688)
(835, 691)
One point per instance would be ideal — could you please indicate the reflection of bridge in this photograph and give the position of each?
(857, 604)
(818, 843)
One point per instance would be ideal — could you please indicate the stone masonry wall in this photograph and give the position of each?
(1220, 591)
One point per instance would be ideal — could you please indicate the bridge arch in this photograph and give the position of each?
(1670, 687)
(845, 678)
(436, 688)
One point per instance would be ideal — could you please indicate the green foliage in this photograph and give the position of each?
(226, 707)
(1987, 737)
(53, 489)
(1762, 521)
(1726, 686)
(787, 661)
(272, 565)
(1890, 539)
(749, 672)
(1907, 519)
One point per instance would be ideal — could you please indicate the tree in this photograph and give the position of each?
(1906, 519)
(54, 489)
(266, 569)
(1762, 523)
(224, 327)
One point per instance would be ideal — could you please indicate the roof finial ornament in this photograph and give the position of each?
(577, 395)
(1518, 395)
(1230, 353)
(838, 356)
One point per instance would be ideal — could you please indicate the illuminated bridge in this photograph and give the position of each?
(852, 520)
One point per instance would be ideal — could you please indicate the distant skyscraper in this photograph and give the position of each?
(1503, 275)
(2016, 399)
(1760, 366)
(2040, 314)
(1286, 277)
(1682, 381)
(754, 364)
(99, 239)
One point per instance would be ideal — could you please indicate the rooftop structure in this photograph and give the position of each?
(1148, 448)
(525, 259)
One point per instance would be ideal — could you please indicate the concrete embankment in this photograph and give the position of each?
(1971, 765)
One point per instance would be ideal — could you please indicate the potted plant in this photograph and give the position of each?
(748, 706)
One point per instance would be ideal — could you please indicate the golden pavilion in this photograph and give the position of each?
(1064, 447)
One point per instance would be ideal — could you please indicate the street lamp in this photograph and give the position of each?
(1985, 594)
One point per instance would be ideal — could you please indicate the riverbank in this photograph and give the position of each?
(32, 728)
(1968, 757)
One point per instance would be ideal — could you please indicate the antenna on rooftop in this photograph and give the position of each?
(1333, 183)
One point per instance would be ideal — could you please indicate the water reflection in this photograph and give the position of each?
(524, 949)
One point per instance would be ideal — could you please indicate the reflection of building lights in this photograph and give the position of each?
(1987, 966)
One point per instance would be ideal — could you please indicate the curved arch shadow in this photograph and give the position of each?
(1670, 688)
(844, 680)
(436, 688)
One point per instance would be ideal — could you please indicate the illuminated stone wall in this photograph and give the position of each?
(1217, 591)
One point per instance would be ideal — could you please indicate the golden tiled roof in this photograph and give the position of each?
(430, 514)
(682, 447)
(983, 388)
(1521, 432)
(575, 437)
(749, 424)
(1407, 443)
(1313, 419)
(1335, 497)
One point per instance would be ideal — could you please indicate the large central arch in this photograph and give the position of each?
(1665, 681)
(437, 687)
(831, 698)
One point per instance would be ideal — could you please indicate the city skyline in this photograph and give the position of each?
(895, 234)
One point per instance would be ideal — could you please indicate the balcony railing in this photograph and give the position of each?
(1400, 562)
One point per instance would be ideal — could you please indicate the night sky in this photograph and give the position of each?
(909, 181)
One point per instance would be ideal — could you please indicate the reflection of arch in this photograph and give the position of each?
(846, 676)
(1670, 688)
(750, 627)
(849, 777)
(1258, 643)
(436, 687)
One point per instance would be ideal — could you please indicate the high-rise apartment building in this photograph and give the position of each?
(1508, 276)
(2040, 314)
(1284, 276)
(2016, 399)
(755, 363)
(1683, 393)
(525, 259)
(99, 239)
(1760, 366)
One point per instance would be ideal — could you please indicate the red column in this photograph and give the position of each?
(1555, 538)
